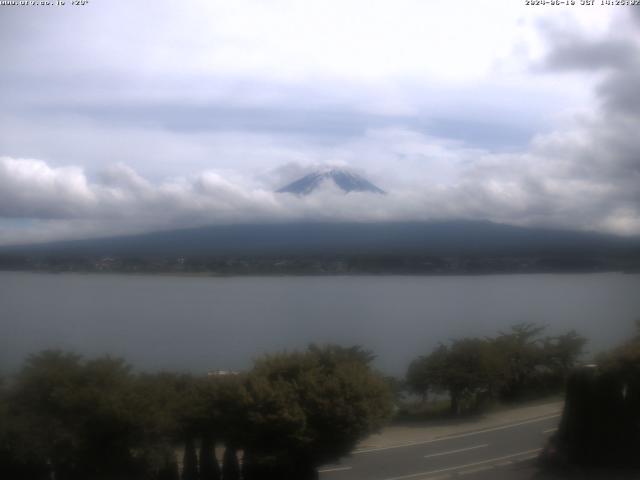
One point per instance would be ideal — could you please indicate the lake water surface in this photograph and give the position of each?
(203, 323)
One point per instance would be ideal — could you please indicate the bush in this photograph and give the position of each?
(514, 365)
(309, 408)
(601, 421)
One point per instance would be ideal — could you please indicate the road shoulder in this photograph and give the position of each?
(396, 436)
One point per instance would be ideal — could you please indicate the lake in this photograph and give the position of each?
(206, 323)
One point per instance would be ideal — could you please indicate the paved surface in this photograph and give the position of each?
(419, 432)
(501, 445)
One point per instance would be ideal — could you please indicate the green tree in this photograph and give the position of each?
(189, 461)
(178, 411)
(470, 370)
(521, 352)
(471, 373)
(418, 378)
(511, 366)
(534, 364)
(219, 412)
(230, 466)
(427, 372)
(209, 468)
(308, 408)
(600, 424)
(17, 457)
(561, 353)
(166, 467)
(85, 408)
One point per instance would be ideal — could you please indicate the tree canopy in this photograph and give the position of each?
(308, 408)
(600, 424)
(78, 417)
(95, 419)
(510, 366)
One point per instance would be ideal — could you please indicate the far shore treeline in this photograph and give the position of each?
(66, 417)
(445, 247)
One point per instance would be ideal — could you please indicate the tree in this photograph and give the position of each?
(167, 468)
(534, 364)
(471, 373)
(470, 370)
(178, 411)
(561, 353)
(600, 424)
(17, 457)
(189, 461)
(515, 364)
(418, 378)
(427, 372)
(309, 408)
(76, 416)
(230, 466)
(218, 410)
(71, 418)
(209, 468)
(521, 353)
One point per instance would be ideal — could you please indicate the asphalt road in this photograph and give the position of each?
(505, 452)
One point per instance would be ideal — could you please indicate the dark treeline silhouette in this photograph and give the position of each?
(69, 418)
(515, 365)
(600, 425)
(322, 264)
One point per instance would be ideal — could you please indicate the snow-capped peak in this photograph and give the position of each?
(344, 179)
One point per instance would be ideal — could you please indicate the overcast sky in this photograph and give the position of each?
(123, 116)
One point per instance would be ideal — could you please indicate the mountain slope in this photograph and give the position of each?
(405, 238)
(345, 180)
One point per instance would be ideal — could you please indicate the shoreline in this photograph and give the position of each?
(310, 274)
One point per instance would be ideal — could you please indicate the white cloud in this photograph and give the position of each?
(283, 39)
(558, 182)
(151, 115)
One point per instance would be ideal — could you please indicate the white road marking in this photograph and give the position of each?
(549, 430)
(459, 467)
(475, 470)
(456, 451)
(334, 469)
(528, 457)
(452, 437)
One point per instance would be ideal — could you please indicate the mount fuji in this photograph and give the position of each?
(345, 180)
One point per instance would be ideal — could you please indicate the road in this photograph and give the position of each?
(501, 452)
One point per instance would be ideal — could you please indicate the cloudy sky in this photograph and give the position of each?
(122, 116)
